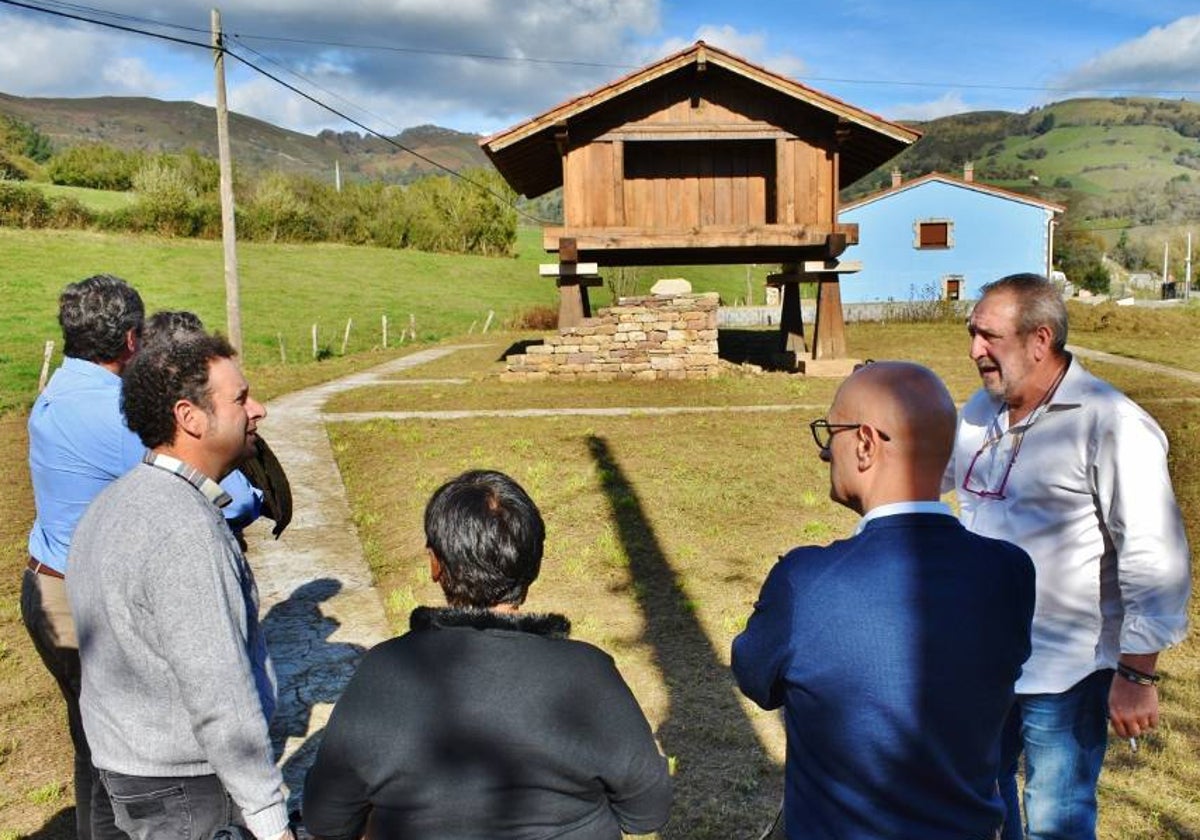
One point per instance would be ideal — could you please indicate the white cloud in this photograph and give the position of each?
(1165, 57)
(41, 58)
(751, 46)
(431, 56)
(943, 106)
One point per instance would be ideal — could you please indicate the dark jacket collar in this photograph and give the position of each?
(551, 625)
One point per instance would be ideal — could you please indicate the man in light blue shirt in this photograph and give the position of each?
(78, 444)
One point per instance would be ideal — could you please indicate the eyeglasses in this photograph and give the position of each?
(984, 477)
(823, 431)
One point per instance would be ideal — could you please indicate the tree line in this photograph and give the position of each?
(177, 195)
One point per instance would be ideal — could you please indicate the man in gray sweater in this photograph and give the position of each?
(177, 685)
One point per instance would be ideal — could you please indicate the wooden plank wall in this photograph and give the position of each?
(621, 180)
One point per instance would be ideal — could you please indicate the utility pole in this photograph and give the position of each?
(1166, 264)
(1187, 274)
(233, 309)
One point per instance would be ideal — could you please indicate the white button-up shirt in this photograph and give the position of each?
(1089, 498)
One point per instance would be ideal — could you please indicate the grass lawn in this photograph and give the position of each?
(661, 528)
(95, 200)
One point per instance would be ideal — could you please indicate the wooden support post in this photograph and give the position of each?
(829, 339)
(574, 278)
(385, 332)
(791, 319)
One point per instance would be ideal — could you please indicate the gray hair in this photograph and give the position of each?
(1039, 304)
(96, 315)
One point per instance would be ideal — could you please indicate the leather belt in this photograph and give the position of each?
(42, 569)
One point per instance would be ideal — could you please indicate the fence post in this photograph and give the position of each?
(47, 352)
(314, 340)
(282, 350)
(385, 332)
(346, 335)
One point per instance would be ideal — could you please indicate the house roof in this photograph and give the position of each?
(954, 182)
(529, 159)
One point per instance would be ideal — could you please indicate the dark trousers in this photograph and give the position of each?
(47, 617)
(174, 807)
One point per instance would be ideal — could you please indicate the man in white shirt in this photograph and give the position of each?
(1073, 471)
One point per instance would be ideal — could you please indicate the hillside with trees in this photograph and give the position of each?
(1128, 170)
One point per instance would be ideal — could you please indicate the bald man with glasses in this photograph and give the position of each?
(893, 653)
(1073, 471)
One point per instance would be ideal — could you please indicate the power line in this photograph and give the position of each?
(389, 140)
(121, 27)
(516, 59)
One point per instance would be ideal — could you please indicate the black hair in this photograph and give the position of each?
(488, 536)
(96, 315)
(163, 373)
(171, 324)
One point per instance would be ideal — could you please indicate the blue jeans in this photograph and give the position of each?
(1063, 737)
(169, 808)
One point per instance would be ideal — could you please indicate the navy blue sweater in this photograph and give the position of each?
(894, 655)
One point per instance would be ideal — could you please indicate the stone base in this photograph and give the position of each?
(829, 368)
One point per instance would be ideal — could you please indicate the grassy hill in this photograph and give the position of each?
(1120, 162)
(155, 125)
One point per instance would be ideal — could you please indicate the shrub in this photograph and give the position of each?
(165, 200)
(95, 165)
(23, 207)
(67, 212)
(540, 318)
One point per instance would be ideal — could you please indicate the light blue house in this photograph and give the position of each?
(943, 237)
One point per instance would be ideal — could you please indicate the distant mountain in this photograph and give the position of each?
(155, 125)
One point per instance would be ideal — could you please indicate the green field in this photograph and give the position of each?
(660, 528)
(285, 290)
(98, 201)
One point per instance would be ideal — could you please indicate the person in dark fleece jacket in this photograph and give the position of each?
(483, 721)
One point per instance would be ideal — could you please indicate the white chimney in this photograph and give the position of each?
(968, 172)
(896, 177)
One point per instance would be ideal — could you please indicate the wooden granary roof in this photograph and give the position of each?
(529, 155)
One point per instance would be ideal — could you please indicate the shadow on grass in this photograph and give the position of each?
(59, 827)
(754, 347)
(725, 785)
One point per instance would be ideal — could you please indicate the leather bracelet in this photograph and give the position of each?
(1136, 676)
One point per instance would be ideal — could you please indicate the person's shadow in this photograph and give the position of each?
(310, 670)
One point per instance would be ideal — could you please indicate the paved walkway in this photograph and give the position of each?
(1150, 367)
(321, 610)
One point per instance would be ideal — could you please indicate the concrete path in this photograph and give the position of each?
(320, 609)
(1150, 367)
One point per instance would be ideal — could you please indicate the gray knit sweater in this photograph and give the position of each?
(176, 679)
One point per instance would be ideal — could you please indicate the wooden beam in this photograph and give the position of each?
(716, 236)
(618, 182)
(698, 131)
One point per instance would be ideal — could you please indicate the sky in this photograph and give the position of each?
(480, 66)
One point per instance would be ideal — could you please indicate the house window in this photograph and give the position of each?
(952, 286)
(933, 233)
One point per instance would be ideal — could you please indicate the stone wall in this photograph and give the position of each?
(673, 337)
